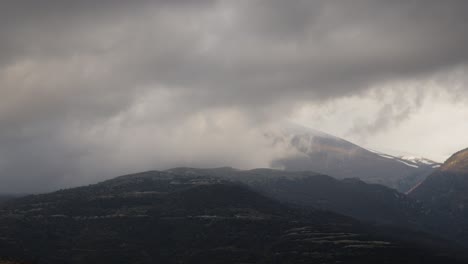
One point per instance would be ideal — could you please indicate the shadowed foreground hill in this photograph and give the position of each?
(9, 262)
(352, 197)
(170, 217)
(6, 197)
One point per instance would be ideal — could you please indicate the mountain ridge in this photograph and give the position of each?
(186, 216)
(327, 154)
(445, 190)
(458, 162)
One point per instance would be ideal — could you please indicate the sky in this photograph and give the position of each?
(92, 89)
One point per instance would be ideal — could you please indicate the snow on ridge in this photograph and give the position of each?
(411, 161)
(383, 155)
(292, 129)
(408, 164)
(387, 156)
(420, 160)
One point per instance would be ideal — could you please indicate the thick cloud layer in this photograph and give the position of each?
(90, 89)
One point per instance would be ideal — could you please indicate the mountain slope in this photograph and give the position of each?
(6, 197)
(173, 217)
(447, 188)
(352, 197)
(458, 162)
(339, 158)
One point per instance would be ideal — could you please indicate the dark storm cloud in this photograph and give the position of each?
(70, 71)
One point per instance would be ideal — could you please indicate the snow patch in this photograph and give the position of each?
(408, 164)
(419, 160)
(408, 160)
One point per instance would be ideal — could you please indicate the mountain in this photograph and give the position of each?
(2, 261)
(446, 190)
(7, 197)
(351, 197)
(182, 216)
(4, 198)
(330, 155)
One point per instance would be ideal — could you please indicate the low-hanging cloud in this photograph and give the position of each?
(81, 80)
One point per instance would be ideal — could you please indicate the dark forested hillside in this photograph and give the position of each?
(352, 197)
(171, 217)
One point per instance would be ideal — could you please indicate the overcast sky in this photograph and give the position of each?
(91, 89)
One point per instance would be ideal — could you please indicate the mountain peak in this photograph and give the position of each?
(458, 162)
(327, 154)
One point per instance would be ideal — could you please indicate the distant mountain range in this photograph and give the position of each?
(202, 216)
(330, 155)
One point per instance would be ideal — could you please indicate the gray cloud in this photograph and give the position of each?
(72, 70)
(386, 117)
